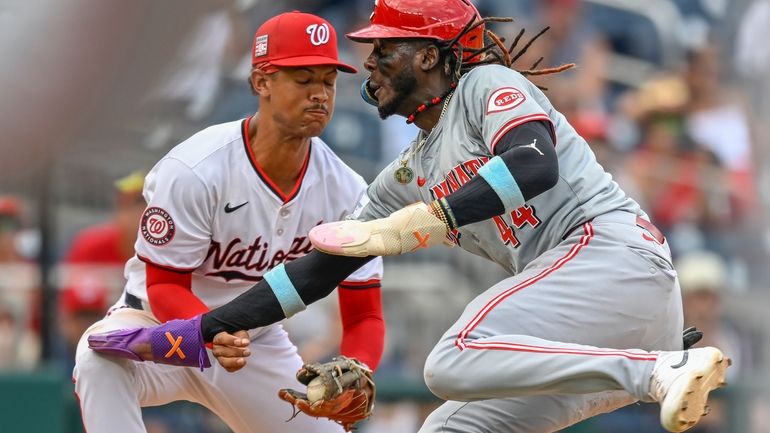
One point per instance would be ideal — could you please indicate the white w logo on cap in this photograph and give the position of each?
(319, 34)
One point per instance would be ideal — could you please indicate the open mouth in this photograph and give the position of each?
(374, 88)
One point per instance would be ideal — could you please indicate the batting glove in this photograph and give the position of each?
(176, 342)
(403, 231)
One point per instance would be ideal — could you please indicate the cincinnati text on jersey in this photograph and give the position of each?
(457, 177)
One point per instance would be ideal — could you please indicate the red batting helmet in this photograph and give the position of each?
(441, 20)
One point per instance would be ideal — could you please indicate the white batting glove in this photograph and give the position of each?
(405, 230)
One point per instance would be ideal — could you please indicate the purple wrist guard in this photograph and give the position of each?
(176, 342)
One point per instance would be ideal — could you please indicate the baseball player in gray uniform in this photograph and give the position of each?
(590, 319)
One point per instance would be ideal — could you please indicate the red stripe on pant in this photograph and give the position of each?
(588, 234)
(461, 341)
(636, 356)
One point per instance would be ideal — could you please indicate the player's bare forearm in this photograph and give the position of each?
(313, 276)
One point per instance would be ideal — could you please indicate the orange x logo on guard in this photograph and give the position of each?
(175, 343)
(422, 241)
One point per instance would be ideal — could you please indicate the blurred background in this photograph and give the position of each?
(673, 96)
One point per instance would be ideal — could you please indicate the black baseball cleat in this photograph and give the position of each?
(681, 382)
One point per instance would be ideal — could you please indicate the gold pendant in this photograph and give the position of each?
(404, 175)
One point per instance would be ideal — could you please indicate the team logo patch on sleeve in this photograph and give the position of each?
(157, 226)
(505, 98)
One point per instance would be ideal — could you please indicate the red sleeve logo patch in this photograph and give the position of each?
(504, 99)
(157, 226)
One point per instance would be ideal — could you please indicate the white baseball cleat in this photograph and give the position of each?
(681, 382)
(403, 231)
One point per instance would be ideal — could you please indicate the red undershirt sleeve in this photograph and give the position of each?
(363, 326)
(170, 294)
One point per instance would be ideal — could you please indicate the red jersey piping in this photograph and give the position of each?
(285, 198)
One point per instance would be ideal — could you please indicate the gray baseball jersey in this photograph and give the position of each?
(490, 101)
(592, 293)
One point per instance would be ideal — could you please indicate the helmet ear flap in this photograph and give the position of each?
(473, 40)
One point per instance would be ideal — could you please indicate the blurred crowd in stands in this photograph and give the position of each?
(671, 95)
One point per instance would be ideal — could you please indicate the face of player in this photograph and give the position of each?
(302, 98)
(392, 76)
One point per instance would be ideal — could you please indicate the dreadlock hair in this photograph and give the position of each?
(494, 52)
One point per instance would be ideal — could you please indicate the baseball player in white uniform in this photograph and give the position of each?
(223, 208)
(590, 318)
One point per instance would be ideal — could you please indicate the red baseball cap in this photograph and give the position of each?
(297, 39)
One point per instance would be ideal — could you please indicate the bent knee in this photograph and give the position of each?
(445, 376)
(89, 364)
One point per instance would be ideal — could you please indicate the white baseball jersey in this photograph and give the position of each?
(213, 211)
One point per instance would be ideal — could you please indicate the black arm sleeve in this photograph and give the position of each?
(314, 276)
(529, 153)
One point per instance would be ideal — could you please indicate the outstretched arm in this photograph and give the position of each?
(284, 291)
(363, 327)
(524, 166)
(311, 278)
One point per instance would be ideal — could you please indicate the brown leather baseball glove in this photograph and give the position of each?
(341, 390)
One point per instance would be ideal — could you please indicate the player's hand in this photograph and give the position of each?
(231, 350)
(405, 230)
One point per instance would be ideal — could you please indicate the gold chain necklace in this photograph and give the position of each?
(404, 174)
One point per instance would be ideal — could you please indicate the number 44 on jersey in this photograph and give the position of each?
(520, 217)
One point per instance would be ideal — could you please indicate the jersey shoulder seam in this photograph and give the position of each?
(208, 151)
(191, 168)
